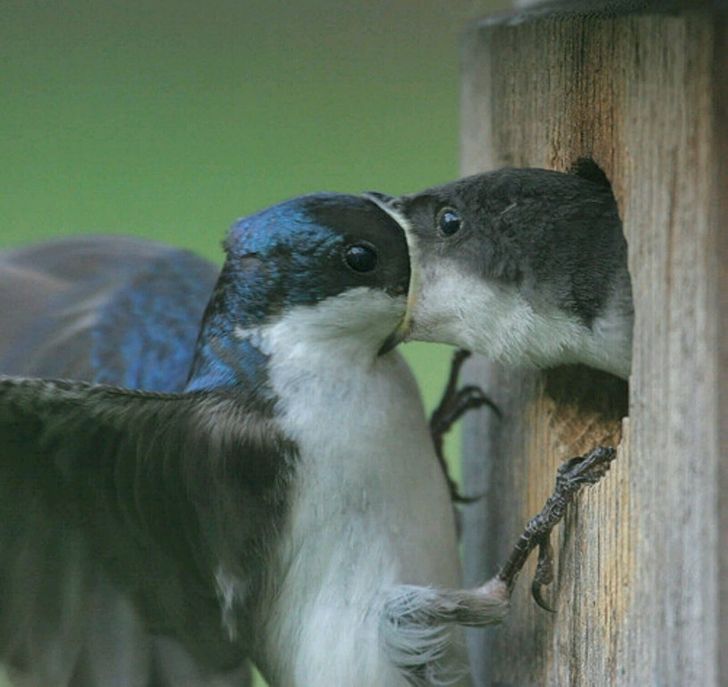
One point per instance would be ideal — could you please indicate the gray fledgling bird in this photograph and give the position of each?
(527, 266)
(269, 492)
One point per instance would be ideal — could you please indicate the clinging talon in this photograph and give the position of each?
(453, 405)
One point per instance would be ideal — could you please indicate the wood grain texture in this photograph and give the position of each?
(642, 562)
(720, 296)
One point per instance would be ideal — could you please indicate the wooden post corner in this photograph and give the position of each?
(642, 588)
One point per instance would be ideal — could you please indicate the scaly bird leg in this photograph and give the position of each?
(412, 607)
(571, 477)
(455, 402)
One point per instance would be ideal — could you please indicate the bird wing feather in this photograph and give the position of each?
(110, 309)
(147, 492)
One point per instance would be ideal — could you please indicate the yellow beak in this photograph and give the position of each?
(405, 326)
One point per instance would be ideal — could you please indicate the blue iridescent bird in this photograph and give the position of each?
(262, 484)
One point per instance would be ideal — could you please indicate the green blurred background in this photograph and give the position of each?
(169, 119)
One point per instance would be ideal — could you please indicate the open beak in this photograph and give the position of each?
(390, 205)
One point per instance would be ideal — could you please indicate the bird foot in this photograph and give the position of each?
(424, 607)
(571, 477)
(455, 402)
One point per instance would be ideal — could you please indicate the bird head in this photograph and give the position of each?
(515, 263)
(317, 269)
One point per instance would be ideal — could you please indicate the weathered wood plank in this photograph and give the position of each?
(720, 294)
(642, 573)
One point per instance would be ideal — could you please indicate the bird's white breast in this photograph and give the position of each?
(370, 510)
(496, 320)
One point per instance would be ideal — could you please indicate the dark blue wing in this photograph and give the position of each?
(114, 309)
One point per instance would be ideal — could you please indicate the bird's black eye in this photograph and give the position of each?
(449, 221)
(361, 257)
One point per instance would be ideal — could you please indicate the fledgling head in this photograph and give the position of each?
(324, 267)
(528, 266)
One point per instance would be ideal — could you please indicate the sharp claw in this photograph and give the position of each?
(457, 497)
(544, 571)
(453, 405)
(472, 396)
(571, 476)
(536, 588)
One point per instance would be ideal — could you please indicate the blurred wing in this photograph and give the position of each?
(110, 309)
(146, 494)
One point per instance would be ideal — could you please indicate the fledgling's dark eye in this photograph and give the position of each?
(361, 257)
(449, 221)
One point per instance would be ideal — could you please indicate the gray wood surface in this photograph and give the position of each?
(641, 590)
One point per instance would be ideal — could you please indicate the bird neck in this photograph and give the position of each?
(239, 344)
(223, 359)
